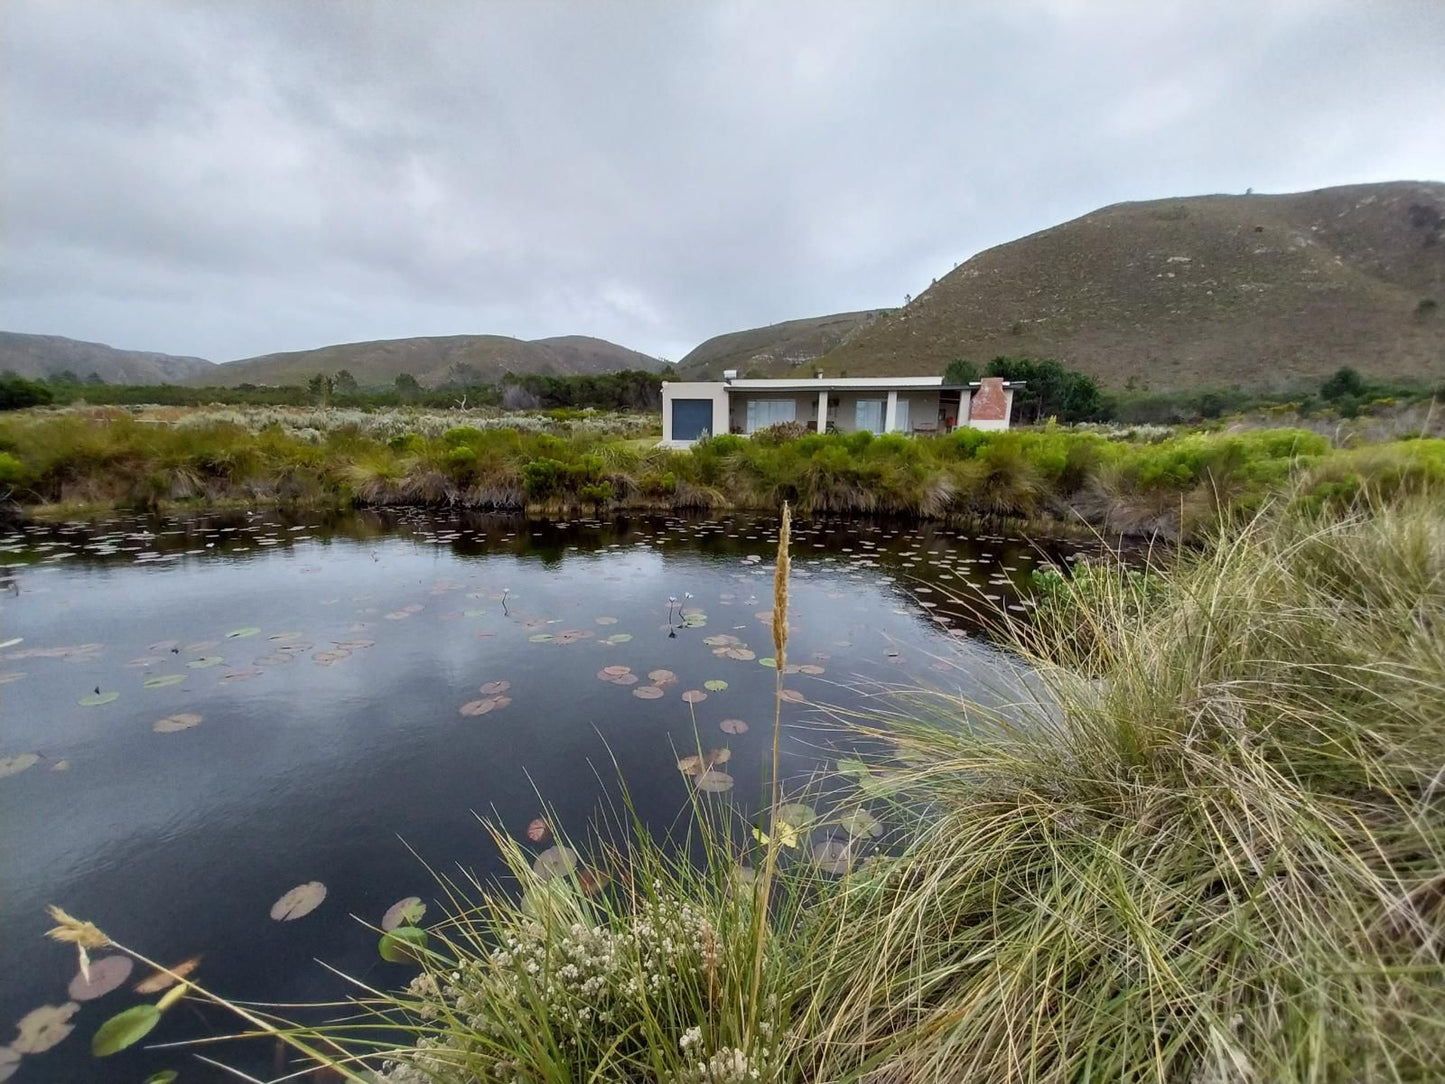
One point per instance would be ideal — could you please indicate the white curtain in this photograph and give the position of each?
(900, 418)
(869, 415)
(765, 412)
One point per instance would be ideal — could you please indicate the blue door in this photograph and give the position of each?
(691, 418)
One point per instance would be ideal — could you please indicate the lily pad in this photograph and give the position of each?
(661, 677)
(859, 822)
(407, 912)
(648, 692)
(833, 856)
(243, 634)
(124, 1029)
(157, 981)
(713, 781)
(792, 696)
(741, 654)
(16, 764)
(172, 723)
(538, 829)
(605, 620)
(246, 673)
(797, 814)
(694, 696)
(165, 1076)
(42, 1028)
(205, 662)
(618, 638)
(810, 668)
(91, 700)
(106, 974)
(554, 862)
(733, 726)
(715, 685)
(300, 901)
(625, 679)
(492, 688)
(403, 945)
(162, 681)
(768, 661)
(540, 637)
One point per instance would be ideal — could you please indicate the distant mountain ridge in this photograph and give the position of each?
(48, 355)
(1262, 291)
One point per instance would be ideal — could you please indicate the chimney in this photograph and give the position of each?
(730, 374)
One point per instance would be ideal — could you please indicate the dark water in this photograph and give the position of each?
(313, 762)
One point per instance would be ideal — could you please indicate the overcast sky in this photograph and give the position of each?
(234, 178)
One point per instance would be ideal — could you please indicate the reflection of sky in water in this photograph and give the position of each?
(179, 843)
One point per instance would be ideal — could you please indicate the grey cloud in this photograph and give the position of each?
(233, 178)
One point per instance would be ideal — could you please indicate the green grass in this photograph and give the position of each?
(1178, 486)
(1203, 843)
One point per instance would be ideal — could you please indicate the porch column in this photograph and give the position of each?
(822, 412)
(890, 419)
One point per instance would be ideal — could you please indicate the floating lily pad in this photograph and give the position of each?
(538, 829)
(157, 981)
(42, 1028)
(810, 668)
(741, 654)
(618, 638)
(661, 677)
(768, 661)
(647, 692)
(733, 726)
(163, 645)
(403, 945)
(479, 707)
(406, 912)
(283, 637)
(833, 856)
(165, 1076)
(792, 696)
(797, 814)
(106, 974)
(592, 881)
(61, 765)
(475, 613)
(300, 901)
(398, 615)
(124, 1029)
(787, 835)
(491, 688)
(690, 765)
(716, 685)
(714, 781)
(694, 696)
(91, 700)
(243, 634)
(172, 723)
(859, 822)
(540, 637)
(161, 681)
(230, 677)
(722, 639)
(605, 620)
(205, 662)
(554, 862)
(14, 765)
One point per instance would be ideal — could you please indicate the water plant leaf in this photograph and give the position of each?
(9, 1063)
(157, 981)
(792, 696)
(42, 1028)
(647, 692)
(741, 654)
(161, 681)
(859, 822)
(690, 765)
(694, 696)
(243, 634)
(246, 673)
(11, 642)
(618, 638)
(797, 814)
(300, 901)
(91, 700)
(607, 673)
(605, 620)
(205, 662)
(172, 723)
(661, 677)
(540, 637)
(833, 856)
(554, 862)
(768, 661)
(124, 1029)
(491, 688)
(405, 912)
(403, 945)
(715, 685)
(787, 834)
(733, 726)
(479, 707)
(810, 668)
(165, 1076)
(713, 781)
(14, 765)
(106, 974)
(538, 829)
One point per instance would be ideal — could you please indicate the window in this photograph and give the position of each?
(765, 412)
(868, 414)
(900, 417)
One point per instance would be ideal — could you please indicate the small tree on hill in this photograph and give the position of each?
(319, 388)
(960, 371)
(407, 386)
(343, 382)
(1346, 383)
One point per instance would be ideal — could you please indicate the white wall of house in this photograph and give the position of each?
(712, 390)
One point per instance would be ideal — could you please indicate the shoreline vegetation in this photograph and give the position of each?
(1209, 847)
(1137, 482)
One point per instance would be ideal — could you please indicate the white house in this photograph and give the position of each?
(899, 404)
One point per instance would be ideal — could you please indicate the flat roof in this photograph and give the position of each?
(855, 383)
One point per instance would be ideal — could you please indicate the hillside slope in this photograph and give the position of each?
(1263, 291)
(437, 360)
(48, 355)
(777, 349)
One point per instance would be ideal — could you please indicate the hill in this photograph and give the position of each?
(49, 355)
(1262, 291)
(775, 349)
(478, 359)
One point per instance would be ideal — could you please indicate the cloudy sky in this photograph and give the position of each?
(231, 178)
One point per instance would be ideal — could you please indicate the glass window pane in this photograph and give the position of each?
(900, 417)
(869, 415)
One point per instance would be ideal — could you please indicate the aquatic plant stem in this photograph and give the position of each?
(770, 861)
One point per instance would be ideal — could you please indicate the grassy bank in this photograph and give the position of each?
(1176, 484)
(1209, 847)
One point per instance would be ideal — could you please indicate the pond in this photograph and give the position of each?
(203, 713)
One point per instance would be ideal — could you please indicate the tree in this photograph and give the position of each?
(65, 376)
(16, 392)
(95, 380)
(343, 382)
(1345, 383)
(1050, 390)
(406, 386)
(319, 388)
(960, 371)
